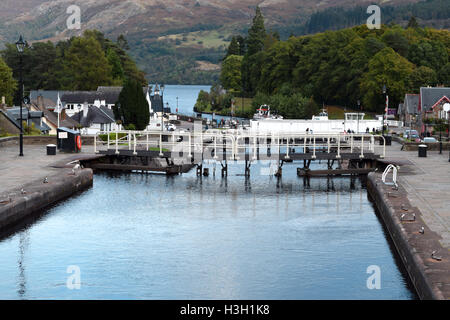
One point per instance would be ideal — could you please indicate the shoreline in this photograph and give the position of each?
(428, 275)
(41, 195)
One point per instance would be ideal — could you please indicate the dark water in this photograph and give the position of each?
(155, 237)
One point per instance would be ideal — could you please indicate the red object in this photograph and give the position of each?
(79, 142)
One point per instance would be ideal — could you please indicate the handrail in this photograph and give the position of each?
(394, 170)
(233, 142)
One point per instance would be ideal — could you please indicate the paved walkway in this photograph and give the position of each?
(427, 181)
(17, 171)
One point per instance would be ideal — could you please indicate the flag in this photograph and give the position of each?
(149, 101)
(387, 104)
(58, 105)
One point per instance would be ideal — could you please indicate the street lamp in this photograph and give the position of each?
(162, 106)
(20, 47)
(387, 104)
(359, 109)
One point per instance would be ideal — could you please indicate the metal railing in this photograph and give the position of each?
(234, 143)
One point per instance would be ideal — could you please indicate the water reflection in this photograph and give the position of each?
(187, 237)
(22, 280)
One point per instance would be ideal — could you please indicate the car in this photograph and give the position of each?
(429, 139)
(171, 127)
(411, 134)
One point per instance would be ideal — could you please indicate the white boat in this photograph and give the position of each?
(352, 122)
(263, 112)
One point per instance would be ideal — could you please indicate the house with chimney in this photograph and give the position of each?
(45, 101)
(434, 103)
(408, 111)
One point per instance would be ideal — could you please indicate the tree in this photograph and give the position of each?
(123, 43)
(429, 53)
(203, 101)
(421, 77)
(256, 34)
(233, 48)
(7, 83)
(444, 75)
(413, 23)
(230, 75)
(86, 64)
(397, 41)
(385, 68)
(117, 70)
(132, 106)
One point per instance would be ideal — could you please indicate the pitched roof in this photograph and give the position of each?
(429, 96)
(101, 115)
(111, 94)
(52, 117)
(411, 104)
(440, 100)
(80, 97)
(50, 96)
(13, 115)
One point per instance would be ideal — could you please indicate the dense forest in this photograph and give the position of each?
(80, 63)
(335, 67)
(432, 13)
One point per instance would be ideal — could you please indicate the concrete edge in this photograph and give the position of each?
(411, 259)
(39, 195)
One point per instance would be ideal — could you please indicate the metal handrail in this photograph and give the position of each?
(235, 141)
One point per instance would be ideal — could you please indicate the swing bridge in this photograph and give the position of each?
(175, 152)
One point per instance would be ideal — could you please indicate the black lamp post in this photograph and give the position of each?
(359, 109)
(20, 47)
(162, 106)
(386, 99)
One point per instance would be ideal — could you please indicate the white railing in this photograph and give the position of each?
(394, 170)
(233, 144)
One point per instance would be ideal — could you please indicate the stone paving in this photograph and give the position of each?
(427, 181)
(17, 171)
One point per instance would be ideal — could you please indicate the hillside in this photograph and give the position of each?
(171, 40)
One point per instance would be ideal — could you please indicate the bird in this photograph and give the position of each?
(422, 230)
(76, 168)
(435, 257)
(403, 217)
(45, 180)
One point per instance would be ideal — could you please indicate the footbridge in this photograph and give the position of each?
(180, 151)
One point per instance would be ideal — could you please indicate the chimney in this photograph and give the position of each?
(85, 109)
(40, 102)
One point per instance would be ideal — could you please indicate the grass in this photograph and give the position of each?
(337, 112)
(206, 39)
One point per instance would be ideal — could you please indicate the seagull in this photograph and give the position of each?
(403, 217)
(75, 168)
(435, 257)
(45, 180)
(422, 230)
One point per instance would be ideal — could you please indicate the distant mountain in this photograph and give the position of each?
(172, 40)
